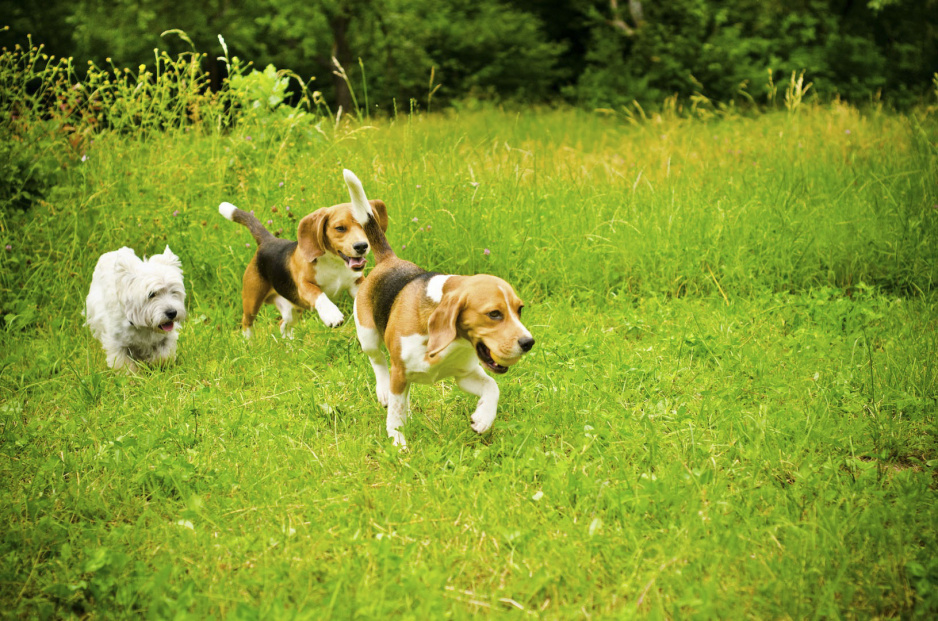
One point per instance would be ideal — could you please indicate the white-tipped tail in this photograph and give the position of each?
(361, 208)
(226, 209)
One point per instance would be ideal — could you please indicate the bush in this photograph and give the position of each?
(718, 49)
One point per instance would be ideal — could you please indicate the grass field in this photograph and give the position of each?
(730, 410)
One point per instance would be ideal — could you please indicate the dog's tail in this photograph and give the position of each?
(240, 216)
(365, 215)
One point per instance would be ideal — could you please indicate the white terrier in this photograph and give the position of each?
(134, 306)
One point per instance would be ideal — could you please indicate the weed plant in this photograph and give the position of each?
(729, 412)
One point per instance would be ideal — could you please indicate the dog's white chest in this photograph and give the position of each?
(333, 276)
(458, 359)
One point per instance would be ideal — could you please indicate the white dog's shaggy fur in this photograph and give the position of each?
(134, 307)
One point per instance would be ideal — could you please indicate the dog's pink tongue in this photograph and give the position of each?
(357, 262)
(167, 327)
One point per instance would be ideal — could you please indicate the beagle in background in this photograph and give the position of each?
(327, 258)
(433, 325)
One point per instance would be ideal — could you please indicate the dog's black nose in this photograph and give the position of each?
(526, 343)
(171, 314)
(361, 248)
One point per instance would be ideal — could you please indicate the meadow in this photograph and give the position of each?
(729, 411)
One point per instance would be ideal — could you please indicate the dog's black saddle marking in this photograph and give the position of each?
(389, 287)
(273, 260)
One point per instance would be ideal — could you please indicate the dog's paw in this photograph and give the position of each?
(119, 361)
(330, 314)
(482, 421)
(383, 392)
(398, 439)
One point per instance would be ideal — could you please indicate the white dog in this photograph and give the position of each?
(134, 307)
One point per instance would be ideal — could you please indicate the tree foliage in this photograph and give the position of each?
(592, 52)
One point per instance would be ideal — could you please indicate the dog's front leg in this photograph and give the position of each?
(398, 406)
(328, 312)
(287, 319)
(165, 352)
(353, 288)
(484, 387)
(119, 359)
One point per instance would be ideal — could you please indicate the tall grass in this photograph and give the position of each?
(730, 409)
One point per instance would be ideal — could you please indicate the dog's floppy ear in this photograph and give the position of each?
(311, 234)
(381, 213)
(167, 258)
(442, 327)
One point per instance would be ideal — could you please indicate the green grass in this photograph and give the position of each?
(729, 412)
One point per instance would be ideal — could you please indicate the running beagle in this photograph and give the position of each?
(433, 325)
(327, 258)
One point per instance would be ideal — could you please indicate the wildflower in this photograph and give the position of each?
(247, 245)
(486, 252)
(404, 247)
(847, 132)
(429, 227)
(9, 247)
(175, 213)
(248, 138)
(418, 187)
(281, 184)
(84, 157)
(415, 219)
(269, 222)
(474, 184)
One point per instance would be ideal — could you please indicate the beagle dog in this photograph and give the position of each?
(433, 325)
(327, 258)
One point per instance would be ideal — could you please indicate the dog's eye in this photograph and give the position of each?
(341, 229)
(496, 315)
(151, 295)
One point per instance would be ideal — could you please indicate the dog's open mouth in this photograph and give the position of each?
(167, 327)
(356, 263)
(486, 357)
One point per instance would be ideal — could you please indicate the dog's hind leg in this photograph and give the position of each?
(254, 291)
(398, 406)
(370, 340)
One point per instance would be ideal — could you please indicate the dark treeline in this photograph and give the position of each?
(593, 53)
